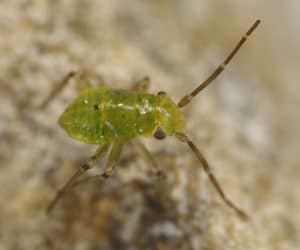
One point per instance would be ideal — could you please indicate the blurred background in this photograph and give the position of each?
(246, 124)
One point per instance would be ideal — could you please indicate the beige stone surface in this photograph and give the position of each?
(246, 123)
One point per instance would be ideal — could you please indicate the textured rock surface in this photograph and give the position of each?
(246, 124)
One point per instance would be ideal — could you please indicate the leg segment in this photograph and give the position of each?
(113, 159)
(111, 163)
(82, 81)
(148, 157)
(142, 85)
(182, 137)
(58, 88)
(186, 99)
(82, 170)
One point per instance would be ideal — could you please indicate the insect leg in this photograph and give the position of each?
(58, 88)
(112, 161)
(182, 137)
(148, 157)
(82, 170)
(83, 83)
(186, 99)
(142, 85)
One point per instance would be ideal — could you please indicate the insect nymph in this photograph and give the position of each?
(110, 117)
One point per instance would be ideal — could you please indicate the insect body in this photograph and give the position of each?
(110, 117)
(100, 115)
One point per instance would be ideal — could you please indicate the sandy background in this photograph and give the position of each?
(246, 123)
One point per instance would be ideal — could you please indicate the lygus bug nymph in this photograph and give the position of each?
(110, 117)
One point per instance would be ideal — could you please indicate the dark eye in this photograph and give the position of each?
(159, 134)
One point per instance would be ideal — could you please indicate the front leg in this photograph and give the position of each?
(185, 139)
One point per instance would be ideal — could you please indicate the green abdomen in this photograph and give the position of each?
(100, 115)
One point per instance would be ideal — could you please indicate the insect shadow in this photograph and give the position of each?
(110, 117)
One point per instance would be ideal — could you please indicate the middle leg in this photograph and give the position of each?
(148, 157)
(112, 161)
(141, 85)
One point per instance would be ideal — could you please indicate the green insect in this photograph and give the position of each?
(110, 117)
(102, 115)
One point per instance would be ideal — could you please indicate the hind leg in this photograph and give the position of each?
(90, 163)
(57, 89)
(82, 83)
